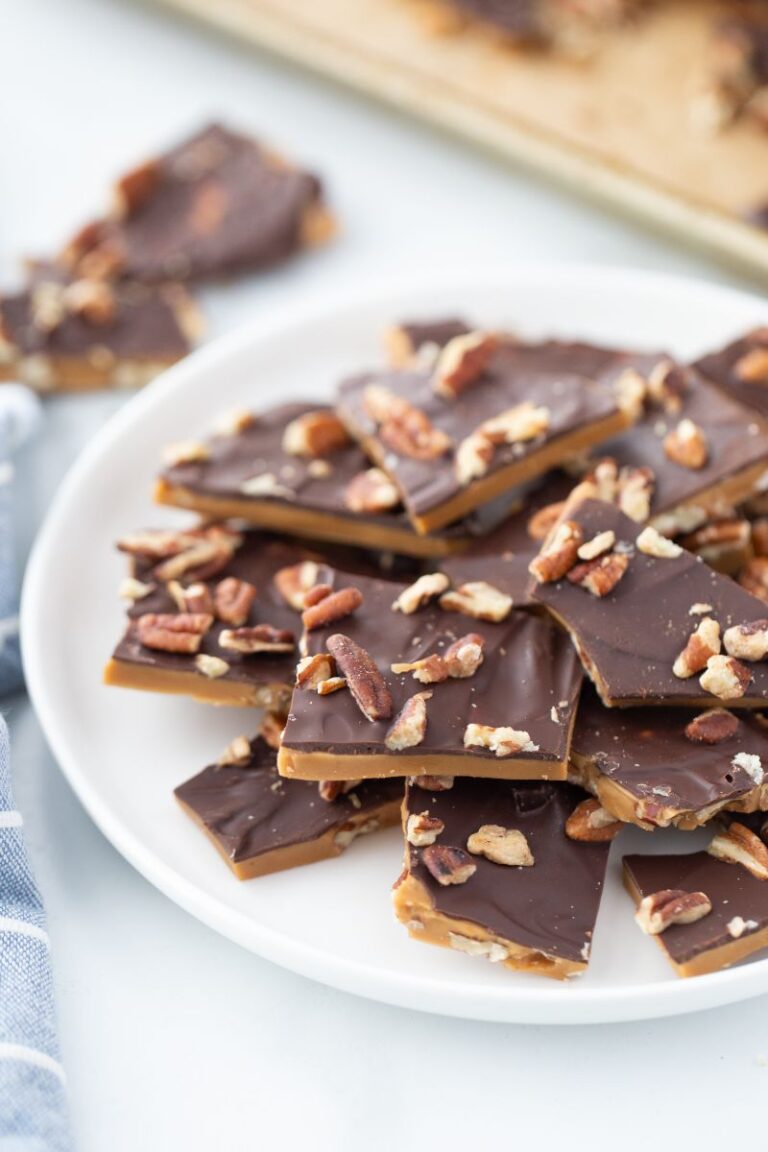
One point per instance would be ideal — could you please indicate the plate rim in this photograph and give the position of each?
(545, 1003)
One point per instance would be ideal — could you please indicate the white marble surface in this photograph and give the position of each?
(173, 1038)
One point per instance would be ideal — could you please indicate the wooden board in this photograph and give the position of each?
(618, 127)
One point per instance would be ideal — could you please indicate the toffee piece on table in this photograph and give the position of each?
(217, 204)
(737, 925)
(669, 766)
(537, 915)
(261, 823)
(641, 613)
(484, 697)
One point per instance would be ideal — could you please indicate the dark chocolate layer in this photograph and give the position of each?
(551, 906)
(555, 375)
(647, 753)
(722, 367)
(529, 668)
(249, 810)
(633, 635)
(217, 204)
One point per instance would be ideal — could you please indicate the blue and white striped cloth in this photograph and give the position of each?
(33, 1109)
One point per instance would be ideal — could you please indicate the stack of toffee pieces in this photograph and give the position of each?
(513, 590)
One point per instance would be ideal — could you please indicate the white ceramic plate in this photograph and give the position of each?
(123, 752)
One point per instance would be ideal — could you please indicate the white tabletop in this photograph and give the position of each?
(174, 1038)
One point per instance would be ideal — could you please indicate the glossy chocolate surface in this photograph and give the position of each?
(551, 906)
(732, 889)
(220, 204)
(633, 635)
(556, 375)
(250, 810)
(529, 667)
(720, 366)
(647, 753)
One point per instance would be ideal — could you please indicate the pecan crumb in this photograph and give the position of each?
(503, 741)
(501, 846)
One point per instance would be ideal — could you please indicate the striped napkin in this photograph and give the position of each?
(33, 1110)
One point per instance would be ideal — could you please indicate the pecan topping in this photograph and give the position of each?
(233, 422)
(294, 582)
(271, 729)
(259, 638)
(419, 593)
(185, 452)
(462, 362)
(670, 906)
(156, 545)
(233, 600)
(736, 844)
(559, 553)
(92, 300)
(747, 641)
(432, 783)
(501, 846)
(602, 542)
(315, 594)
(631, 390)
(752, 367)
(502, 741)
(364, 680)
(713, 727)
(600, 576)
(311, 671)
(635, 491)
(402, 426)
(202, 555)
(687, 445)
(542, 522)
(473, 457)
(516, 425)
(315, 434)
(428, 670)
(463, 658)
(754, 577)
(332, 684)
(334, 607)
(409, 727)
(590, 822)
(211, 666)
(371, 491)
(133, 589)
(266, 484)
(478, 599)
(135, 187)
(448, 865)
(725, 677)
(702, 644)
(423, 829)
(237, 753)
(193, 598)
(491, 949)
(168, 633)
(652, 543)
(330, 790)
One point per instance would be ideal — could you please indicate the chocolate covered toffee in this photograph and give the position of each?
(398, 680)
(261, 823)
(508, 871)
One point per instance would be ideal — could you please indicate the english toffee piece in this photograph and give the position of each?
(261, 823)
(436, 680)
(490, 871)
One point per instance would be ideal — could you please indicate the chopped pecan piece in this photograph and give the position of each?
(659, 911)
(631, 390)
(559, 553)
(92, 300)
(754, 577)
(462, 362)
(271, 728)
(725, 677)
(192, 598)
(737, 844)
(747, 641)
(473, 457)
(266, 484)
(371, 491)
(463, 658)
(760, 536)
(502, 741)
(315, 594)
(259, 638)
(517, 425)
(501, 846)
(203, 555)
(311, 671)
(334, 607)
(591, 823)
(428, 670)
(233, 422)
(134, 188)
(332, 684)
(237, 753)
(133, 589)
(542, 522)
(686, 445)
(600, 576)
(364, 680)
(294, 582)
(703, 643)
(752, 367)
(478, 599)
(419, 593)
(315, 434)
(448, 865)
(635, 491)
(233, 600)
(403, 427)
(168, 633)
(432, 783)
(156, 545)
(652, 543)
(713, 727)
(211, 666)
(409, 727)
(423, 829)
(330, 790)
(595, 547)
(185, 452)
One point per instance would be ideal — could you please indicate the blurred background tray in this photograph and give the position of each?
(617, 127)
